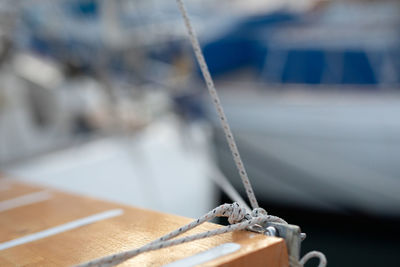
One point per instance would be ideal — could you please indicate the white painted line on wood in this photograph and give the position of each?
(61, 228)
(24, 200)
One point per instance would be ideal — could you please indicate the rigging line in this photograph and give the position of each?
(217, 103)
(238, 218)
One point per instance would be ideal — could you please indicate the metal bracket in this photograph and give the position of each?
(290, 233)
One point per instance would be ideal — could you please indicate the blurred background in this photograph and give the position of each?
(104, 98)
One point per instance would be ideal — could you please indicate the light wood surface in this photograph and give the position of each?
(130, 230)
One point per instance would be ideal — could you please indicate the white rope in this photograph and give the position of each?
(227, 187)
(314, 254)
(237, 216)
(217, 103)
(228, 133)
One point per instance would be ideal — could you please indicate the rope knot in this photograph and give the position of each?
(258, 212)
(236, 213)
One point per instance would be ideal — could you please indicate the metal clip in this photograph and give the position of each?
(290, 233)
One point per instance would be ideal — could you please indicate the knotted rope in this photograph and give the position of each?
(237, 216)
(225, 125)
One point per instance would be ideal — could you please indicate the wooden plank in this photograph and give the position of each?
(134, 228)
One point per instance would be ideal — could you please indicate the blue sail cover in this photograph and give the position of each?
(328, 47)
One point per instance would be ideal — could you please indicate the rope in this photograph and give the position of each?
(228, 133)
(314, 254)
(227, 187)
(237, 216)
(217, 103)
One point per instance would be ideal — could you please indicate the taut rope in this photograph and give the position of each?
(237, 215)
(217, 103)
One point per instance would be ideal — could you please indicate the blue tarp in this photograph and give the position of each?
(248, 44)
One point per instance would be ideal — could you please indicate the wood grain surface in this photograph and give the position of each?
(134, 228)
